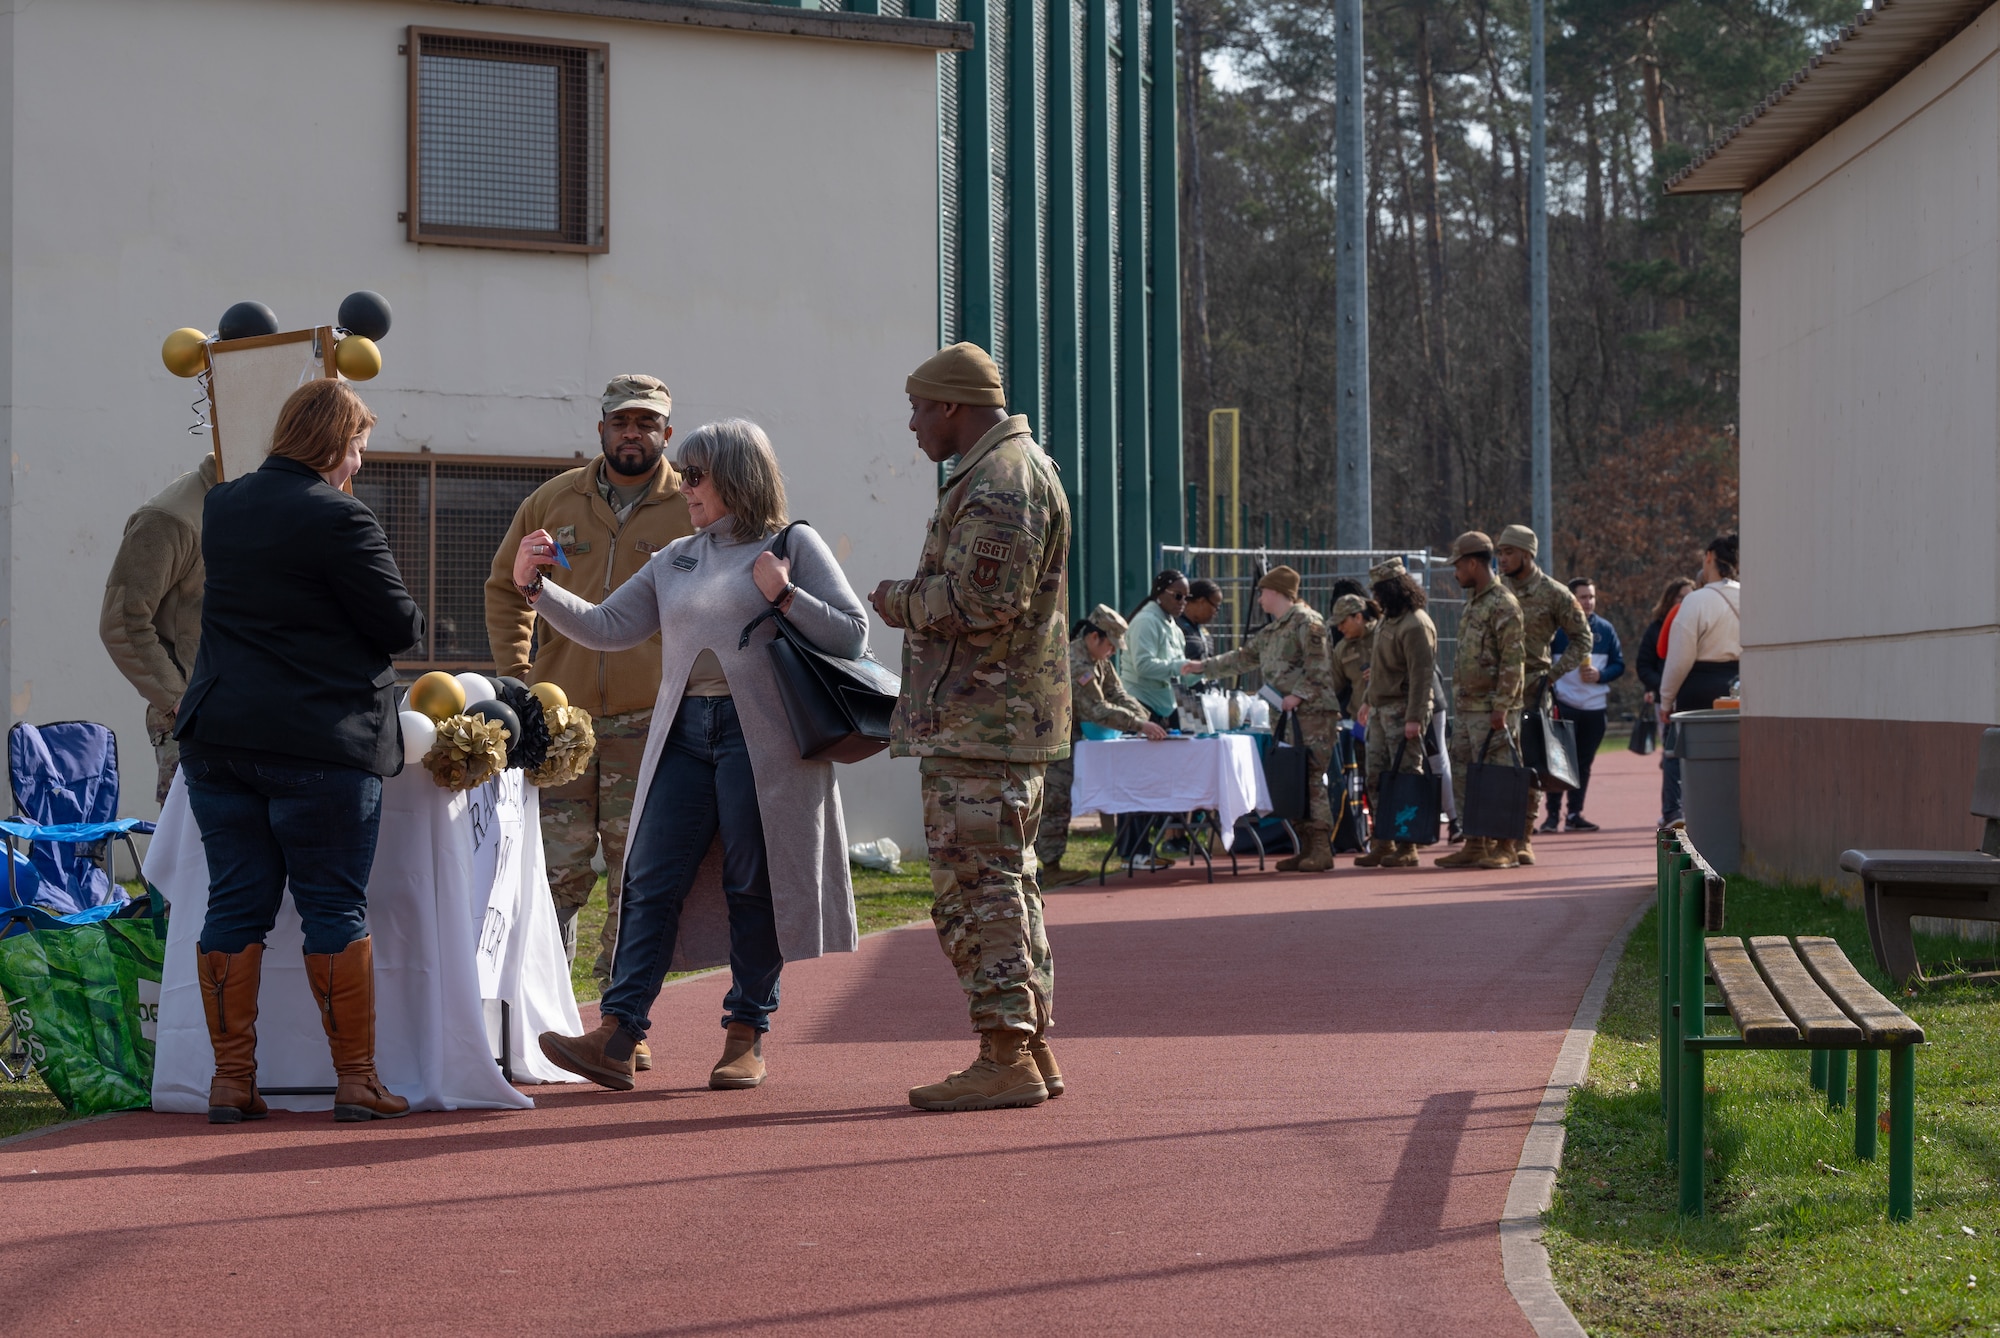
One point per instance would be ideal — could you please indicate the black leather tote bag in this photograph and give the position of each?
(1548, 747)
(1645, 731)
(1288, 771)
(1412, 801)
(839, 709)
(1496, 797)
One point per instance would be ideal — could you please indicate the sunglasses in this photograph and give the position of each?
(692, 475)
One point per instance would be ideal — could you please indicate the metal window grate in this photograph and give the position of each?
(445, 517)
(507, 141)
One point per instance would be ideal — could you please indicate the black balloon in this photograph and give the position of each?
(504, 681)
(365, 313)
(502, 714)
(245, 320)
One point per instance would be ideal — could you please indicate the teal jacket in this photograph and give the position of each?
(1151, 659)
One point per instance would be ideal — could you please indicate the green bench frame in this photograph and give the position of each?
(1775, 1007)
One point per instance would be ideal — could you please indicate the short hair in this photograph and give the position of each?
(1203, 588)
(1347, 585)
(738, 456)
(1399, 594)
(1724, 546)
(1576, 583)
(317, 421)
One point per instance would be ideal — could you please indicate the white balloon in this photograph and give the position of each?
(477, 689)
(418, 735)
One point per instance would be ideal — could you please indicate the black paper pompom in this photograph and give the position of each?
(532, 748)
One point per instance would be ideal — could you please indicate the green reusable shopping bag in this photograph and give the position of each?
(88, 1000)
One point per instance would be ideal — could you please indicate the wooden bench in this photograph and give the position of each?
(1948, 884)
(1781, 994)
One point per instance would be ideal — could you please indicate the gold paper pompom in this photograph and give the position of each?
(571, 743)
(470, 750)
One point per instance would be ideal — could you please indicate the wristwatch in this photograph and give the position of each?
(533, 591)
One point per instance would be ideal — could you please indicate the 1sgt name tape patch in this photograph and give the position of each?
(988, 557)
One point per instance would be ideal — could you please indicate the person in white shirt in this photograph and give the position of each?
(1706, 642)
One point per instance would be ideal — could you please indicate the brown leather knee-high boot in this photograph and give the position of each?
(344, 985)
(229, 998)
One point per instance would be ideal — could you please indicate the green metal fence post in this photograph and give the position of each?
(1819, 1070)
(1163, 266)
(1693, 1024)
(1100, 371)
(1867, 1102)
(1902, 1133)
(1836, 1080)
(975, 181)
(1663, 927)
(1024, 221)
(1135, 447)
(1065, 439)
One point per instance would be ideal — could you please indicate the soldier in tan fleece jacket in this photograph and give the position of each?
(151, 621)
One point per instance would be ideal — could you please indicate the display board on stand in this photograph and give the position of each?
(249, 381)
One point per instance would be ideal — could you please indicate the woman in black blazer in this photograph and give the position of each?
(286, 731)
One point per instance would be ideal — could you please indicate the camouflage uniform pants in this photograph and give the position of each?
(166, 749)
(1053, 838)
(980, 820)
(1385, 732)
(1469, 731)
(1318, 728)
(597, 804)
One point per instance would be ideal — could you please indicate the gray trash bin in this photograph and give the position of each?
(1707, 747)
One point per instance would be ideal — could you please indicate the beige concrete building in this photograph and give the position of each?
(741, 199)
(1870, 435)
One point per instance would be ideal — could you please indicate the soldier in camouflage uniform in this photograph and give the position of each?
(1292, 654)
(1400, 671)
(1546, 604)
(986, 707)
(1352, 646)
(1098, 697)
(1486, 687)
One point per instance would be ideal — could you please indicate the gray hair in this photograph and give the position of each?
(738, 456)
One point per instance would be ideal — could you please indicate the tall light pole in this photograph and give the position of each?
(1353, 517)
(1538, 283)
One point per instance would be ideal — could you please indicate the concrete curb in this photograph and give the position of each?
(60, 1125)
(1524, 1261)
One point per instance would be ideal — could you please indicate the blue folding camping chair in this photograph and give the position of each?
(65, 782)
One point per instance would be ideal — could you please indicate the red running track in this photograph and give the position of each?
(1295, 1105)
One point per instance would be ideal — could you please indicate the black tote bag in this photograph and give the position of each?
(839, 709)
(1496, 797)
(1645, 730)
(1412, 801)
(1288, 772)
(1548, 748)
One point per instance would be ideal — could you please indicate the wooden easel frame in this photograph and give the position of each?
(324, 336)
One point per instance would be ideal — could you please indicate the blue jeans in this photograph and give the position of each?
(703, 784)
(1670, 790)
(263, 823)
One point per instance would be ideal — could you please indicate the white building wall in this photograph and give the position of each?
(1871, 411)
(773, 255)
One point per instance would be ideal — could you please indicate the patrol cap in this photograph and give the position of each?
(1106, 620)
(1385, 571)
(1346, 607)
(1521, 537)
(959, 374)
(634, 391)
(1281, 579)
(1471, 544)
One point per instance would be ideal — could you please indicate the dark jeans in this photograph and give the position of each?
(1589, 735)
(1670, 790)
(703, 784)
(265, 822)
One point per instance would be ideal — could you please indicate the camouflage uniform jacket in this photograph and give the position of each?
(1098, 695)
(1403, 663)
(1487, 675)
(1349, 660)
(1292, 655)
(1547, 604)
(984, 643)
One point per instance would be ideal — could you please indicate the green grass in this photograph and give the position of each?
(1795, 1240)
(26, 1104)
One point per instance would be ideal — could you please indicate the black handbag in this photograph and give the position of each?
(1548, 748)
(1645, 732)
(1496, 797)
(839, 709)
(1288, 772)
(1411, 801)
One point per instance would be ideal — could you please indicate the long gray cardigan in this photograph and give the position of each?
(698, 593)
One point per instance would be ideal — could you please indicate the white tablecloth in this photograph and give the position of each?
(459, 909)
(1174, 776)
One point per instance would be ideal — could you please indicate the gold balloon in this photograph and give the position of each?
(358, 359)
(185, 352)
(437, 695)
(549, 695)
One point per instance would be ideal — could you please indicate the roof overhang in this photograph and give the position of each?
(754, 17)
(1860, 64)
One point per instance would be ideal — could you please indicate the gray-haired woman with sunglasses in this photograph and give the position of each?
(720, 760)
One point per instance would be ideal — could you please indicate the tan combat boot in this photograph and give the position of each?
(1038, 1050)
(1003, 1075)
(344, 984)
(1402, 855)
(1523, 851)
(1319, 850)
(1376, 854)
(642, 1058)
(1499, 855)
(742, 1062)
(604, 1056)
(229, 998)
(1465, 857)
